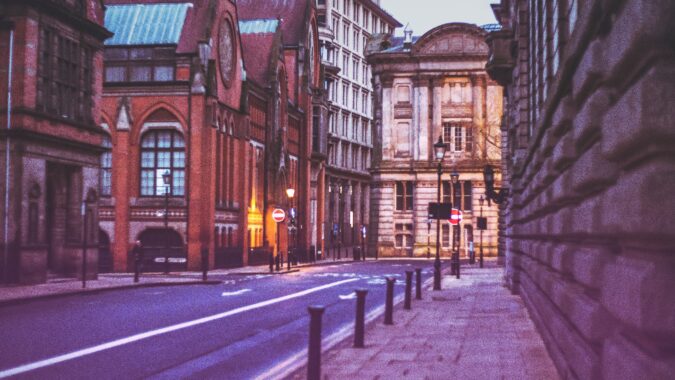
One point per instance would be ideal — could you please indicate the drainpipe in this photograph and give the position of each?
(9, 25)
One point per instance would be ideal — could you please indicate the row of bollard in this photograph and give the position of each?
(138, 264)
(316, 313)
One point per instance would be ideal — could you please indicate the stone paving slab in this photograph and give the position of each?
(472, 329)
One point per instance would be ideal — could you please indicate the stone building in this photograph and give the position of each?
(590, 228)
(177, 130)
(50, 140)
(344, 28)
(427, 88)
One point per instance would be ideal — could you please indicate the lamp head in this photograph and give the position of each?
(290, 192)
(166, 177)
(439, 149)
(481, 200)
(454, 177)
(489, 176)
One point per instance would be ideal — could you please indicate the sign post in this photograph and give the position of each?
(456, 217)
(278, 215)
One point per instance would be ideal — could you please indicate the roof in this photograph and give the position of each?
(258, 26)
(397, 44)
(146, 24)
(292, 13)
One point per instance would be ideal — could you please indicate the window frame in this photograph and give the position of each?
(174, 189)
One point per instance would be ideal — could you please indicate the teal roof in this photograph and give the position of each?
(258, 26)
(145, 24)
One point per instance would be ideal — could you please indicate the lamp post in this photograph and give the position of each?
(454, 178)
(428, 238)
(166, 177)
(480, 202)
(290, 192)
(439, 153)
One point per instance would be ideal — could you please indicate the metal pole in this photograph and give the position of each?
(5, 255)
(481, 238)
(437, 262)
(359, 325)
(389, 302)
(459, 244)
(408, 290)
(276, 258)
(166, 229)
(84, 245)
(428, 239)
(314, 352)
(205, 263)
(418, 283)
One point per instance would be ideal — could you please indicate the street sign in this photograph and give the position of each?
(278, 215)
(440, 210)
(482, 223)
(455, 216)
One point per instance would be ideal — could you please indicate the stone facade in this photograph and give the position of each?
(590, 231)
(50, 141)
(425, 88)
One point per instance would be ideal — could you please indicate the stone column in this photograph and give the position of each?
(478, 100)
(421, 118)
(387, 118)
(436, 119)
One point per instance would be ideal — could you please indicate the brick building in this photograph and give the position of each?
(590, 228)
(287, 85)
(174, 112)
(50, 140)
(427, 88)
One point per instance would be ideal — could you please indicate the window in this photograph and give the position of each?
(345, 64)
(65, 77)
(468, 195)
(404, 195)
(355, 41)
(345, 93)
(162, 150)
(355, 98)
(364, 102)
(139, 65)
(345, 34)
(345, 152)
(403, 235)
(459, 138)
(366, 18)
(355, 157)
(336, 22)
(357, 13)
(468, 134)
(106, 167)
(355, 69)
(445, 235)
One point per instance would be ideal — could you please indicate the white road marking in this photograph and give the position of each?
(349, 296)
(134, 338)
(236, 293)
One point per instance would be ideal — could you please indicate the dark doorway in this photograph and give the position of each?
(105, 260)
(159, 243)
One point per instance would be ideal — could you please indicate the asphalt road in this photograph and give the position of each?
(249, 326)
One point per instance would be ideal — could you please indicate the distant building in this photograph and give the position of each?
(344, 29)
(427, 88)
(173, 109)
(51, 53)
(590, 227)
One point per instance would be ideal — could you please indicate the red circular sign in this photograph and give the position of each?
(278, 215)
(455, 216)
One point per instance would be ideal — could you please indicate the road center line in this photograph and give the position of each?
(163, 330)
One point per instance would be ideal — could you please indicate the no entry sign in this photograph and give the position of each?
(455, 216)
(278, 215)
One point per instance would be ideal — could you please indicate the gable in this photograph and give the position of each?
(452, 39)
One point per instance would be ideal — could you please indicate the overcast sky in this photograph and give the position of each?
(424, 15)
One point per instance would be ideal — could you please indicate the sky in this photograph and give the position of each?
(424, 15)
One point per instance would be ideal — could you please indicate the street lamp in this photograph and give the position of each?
(480, 202)
(290, 192)
(166, 177)
(490, 193)
(439, 153)
(454, 178)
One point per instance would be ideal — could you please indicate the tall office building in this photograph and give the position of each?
(344, 29)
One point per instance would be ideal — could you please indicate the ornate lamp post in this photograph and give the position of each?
(290, 192)
(454, 178)
(166, 177)
(439, 153)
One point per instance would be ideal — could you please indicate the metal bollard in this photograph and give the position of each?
(457, 265)
(137, 267)
(418, 283)
(288, 259)
(359, 325)
(408, 289)
(278, 261)
(314, 352)
(389, 303)
(271, 262)
(205, 263)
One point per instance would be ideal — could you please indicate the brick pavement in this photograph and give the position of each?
(472, 329)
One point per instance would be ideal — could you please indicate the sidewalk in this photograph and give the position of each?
(472, 329)
(58, 287)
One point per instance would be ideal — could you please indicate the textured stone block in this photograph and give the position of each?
(639, 292)
(589, 71)
(641, 122)
(588, 122)
(623, 359)
(587, 265)
(564, 153)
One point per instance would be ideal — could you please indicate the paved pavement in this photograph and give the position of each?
(60, 286)
(472, 329)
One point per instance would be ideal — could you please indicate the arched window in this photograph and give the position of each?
(162, 150)
(106, 168)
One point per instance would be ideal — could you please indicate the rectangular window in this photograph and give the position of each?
(458, 139)
(355, 40)
(404, 195)
(469, 139)
(355, 98)
(345, 34)
(468, 196)
(445, 235)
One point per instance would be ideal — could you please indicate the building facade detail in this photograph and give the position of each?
(425, 88)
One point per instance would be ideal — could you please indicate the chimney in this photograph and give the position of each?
(407, 39)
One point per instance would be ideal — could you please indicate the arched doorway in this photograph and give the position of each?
(159, 243)
(105, 260)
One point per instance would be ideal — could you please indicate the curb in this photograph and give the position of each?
(19, 301)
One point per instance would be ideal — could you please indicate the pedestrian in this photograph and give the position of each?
(137, 253)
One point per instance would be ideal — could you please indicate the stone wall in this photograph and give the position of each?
(591, 222)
